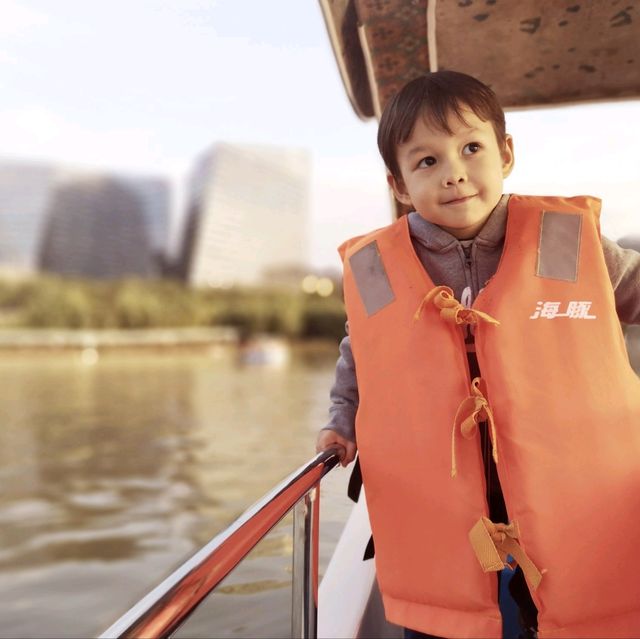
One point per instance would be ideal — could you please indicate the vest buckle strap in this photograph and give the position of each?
(492, 543)
(473, 410)
(451, 310)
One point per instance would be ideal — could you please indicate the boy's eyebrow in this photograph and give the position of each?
(420, 148)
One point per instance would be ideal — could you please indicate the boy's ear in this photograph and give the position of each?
(508, 157)
(399, 189)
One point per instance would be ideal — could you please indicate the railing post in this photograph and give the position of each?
(304, 613)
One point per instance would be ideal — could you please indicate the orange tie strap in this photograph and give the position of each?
(451, 310)
(493, 542)
(473, 410)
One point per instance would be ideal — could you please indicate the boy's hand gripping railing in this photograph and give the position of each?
(167, 606)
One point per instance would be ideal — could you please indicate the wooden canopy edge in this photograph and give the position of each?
(341, 21)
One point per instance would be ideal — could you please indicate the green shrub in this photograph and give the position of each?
(60, 305)
(133, 303)
(324, 318)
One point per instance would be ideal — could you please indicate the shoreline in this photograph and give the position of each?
(53, 339)
(37, 341)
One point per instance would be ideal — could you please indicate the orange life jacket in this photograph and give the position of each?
(564, 408)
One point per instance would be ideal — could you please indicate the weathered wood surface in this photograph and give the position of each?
(531, 52)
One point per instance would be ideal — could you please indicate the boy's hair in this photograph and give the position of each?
(435, 96)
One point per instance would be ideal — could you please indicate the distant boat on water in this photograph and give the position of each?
(264, 350)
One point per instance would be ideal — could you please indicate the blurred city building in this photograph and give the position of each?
(24, 192)
(95, 227)
(79, 222)
(247, 216)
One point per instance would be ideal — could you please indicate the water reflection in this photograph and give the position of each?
(112, 474)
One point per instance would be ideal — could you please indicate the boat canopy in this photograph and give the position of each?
(532, 53)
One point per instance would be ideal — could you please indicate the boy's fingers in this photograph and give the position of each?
(340, 449)
(346, 451)
(322, 443)
(349, 456)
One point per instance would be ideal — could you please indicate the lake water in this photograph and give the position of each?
(112, 474)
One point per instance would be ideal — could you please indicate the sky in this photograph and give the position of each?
(145, 86)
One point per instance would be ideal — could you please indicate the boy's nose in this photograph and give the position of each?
(454, 174)
(454, 177)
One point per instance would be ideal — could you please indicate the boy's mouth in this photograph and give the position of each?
(458, 200)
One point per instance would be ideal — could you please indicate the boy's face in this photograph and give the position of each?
(453, 180)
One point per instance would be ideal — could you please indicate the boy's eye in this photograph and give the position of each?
(471, 148)
(428, 161)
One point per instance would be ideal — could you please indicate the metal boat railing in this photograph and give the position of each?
(168, 606)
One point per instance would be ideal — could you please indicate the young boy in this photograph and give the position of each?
(495, 409)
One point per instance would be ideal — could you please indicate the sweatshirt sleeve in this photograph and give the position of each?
(344, 394)
(624, 270)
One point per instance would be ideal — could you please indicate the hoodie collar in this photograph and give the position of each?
(438, 240)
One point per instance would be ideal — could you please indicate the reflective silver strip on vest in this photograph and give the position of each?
(559, 246)
(371, 278)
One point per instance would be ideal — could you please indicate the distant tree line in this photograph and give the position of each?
(52, 302)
